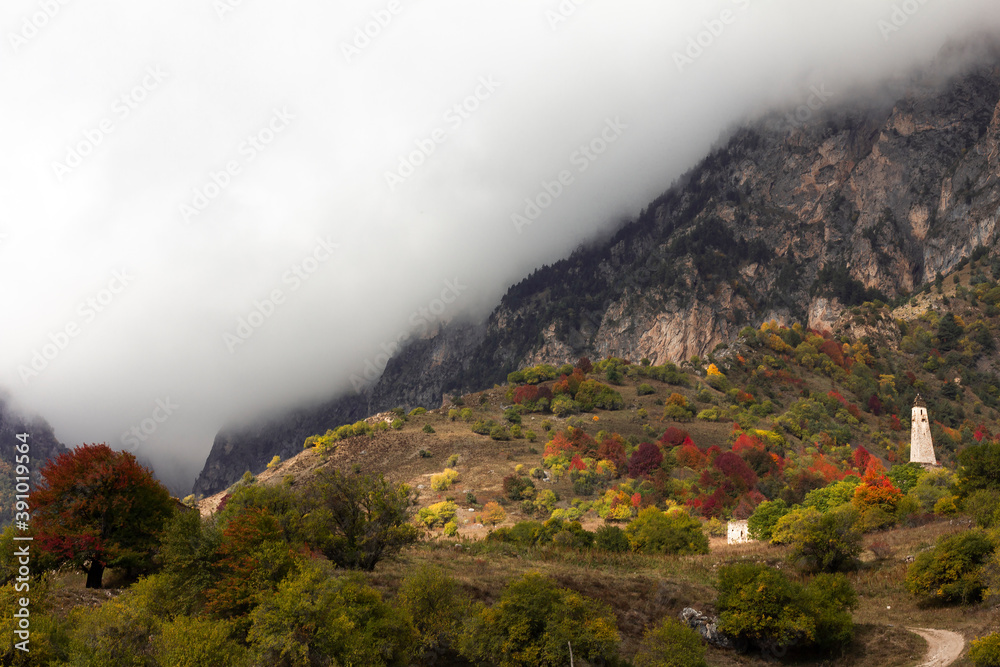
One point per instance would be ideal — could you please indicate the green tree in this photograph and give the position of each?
(198, 642)
(979, 468)
(532, 624)
(671, 532)
(319, 617)
(118, 633)
(357, 520)
(671, 644)
(761, 606)
(985, 651)
(46, 634)
(953, 571)
(764, 518)
(948, 332)
(827, 543)
(792, 524)
(189, 550)
(832, 495)
(983, 506)
(905, 476)
(98, 508)
(437, 607)
(611, 538)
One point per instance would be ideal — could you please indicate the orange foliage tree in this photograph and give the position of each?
(253, 557)
(876, 491)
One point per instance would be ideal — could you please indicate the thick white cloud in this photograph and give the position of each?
(164, 95)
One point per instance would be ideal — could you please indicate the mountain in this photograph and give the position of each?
(43, 446)
(871, 197)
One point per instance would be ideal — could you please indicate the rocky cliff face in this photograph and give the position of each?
(43, 447)
(782, 221)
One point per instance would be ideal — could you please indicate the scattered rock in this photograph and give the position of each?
(707, 627)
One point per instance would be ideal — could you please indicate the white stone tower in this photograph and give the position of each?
(921, 445)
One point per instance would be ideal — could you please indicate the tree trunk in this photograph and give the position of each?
(95, 575)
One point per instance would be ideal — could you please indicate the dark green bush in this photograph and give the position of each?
(980, 468)
(985, 651)
(829, 543)
(532, 624)
(671, 644)
(611, 538)
(320, 617)
(516, 487)
(198, 642)
(953, 571)
(983, 507)
(761, 523)
(672, 532)
(357, 520)
(434, 602)
(762, 607)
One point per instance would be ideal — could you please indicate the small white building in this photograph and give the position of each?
(739, 532)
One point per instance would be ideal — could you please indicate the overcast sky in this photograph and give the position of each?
(334, 173)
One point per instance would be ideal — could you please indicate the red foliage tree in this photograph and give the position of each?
(577, 463)
(645, 460)
(826, 469)
(558, 445)
(895, 424)
(584, 365)
(689, 456)
(875, 405)
(837, 396)
(736, 470)
(526, 393)
(612, 448)
(744, 442)
(98, 508)
(861, 458)
(583, 442)
(674, 437)
(713, 505)
(569, 384)
(712, 452)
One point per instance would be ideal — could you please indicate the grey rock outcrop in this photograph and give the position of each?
(707, 627)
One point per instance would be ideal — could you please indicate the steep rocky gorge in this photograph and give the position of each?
(782, 221)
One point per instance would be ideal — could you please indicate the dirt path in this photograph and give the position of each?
(943, 646)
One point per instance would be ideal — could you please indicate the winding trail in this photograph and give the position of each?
(943, 646)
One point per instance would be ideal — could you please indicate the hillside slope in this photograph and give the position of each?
(782, 222)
